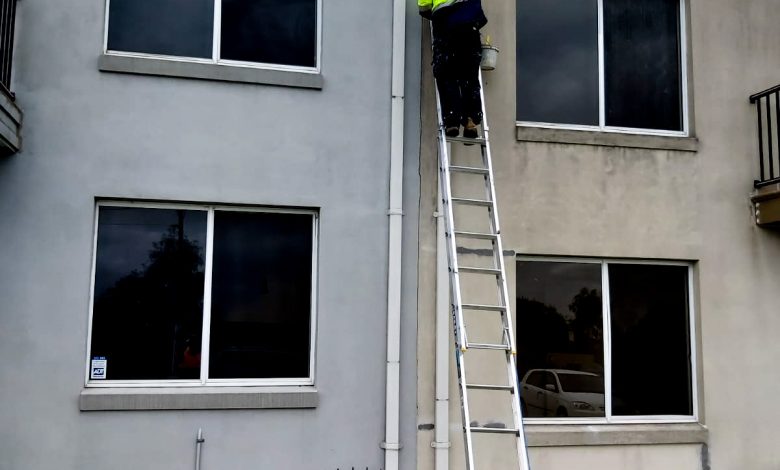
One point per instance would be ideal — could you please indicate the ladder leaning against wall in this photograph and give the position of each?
(480, 300)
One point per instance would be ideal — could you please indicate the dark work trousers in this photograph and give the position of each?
(457, 54)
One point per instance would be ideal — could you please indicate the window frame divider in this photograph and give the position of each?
(216, 39)
(205, 345)
(607, 340)
(93, 269)
(602, 66)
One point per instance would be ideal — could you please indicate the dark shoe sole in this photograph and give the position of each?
(451, 131)
(470, 133)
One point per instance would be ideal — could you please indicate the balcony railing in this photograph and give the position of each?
(768, 111)
(7, 22)
(10, 114)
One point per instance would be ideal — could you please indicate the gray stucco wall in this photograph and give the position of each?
(91, 134)
(611, 199)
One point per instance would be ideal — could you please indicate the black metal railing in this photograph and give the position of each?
(768, 111)
(7, 22)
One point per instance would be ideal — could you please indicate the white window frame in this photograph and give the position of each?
(204, 381)
(606, 318)
(216, 47)
(602, 127)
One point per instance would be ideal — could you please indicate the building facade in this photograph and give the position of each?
(196, 233)
(219, 243)
(627, 168)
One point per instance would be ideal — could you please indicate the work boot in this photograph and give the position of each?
(452, 131)
(470, 129)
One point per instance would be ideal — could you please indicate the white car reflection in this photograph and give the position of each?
(561, 393)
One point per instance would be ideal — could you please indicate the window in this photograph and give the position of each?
(279, 33)
(605, 340)
(188, 295)
(602, 64)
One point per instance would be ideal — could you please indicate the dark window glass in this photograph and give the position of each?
(651, 363)
(535, 379)
(169, 27)
(560, 327)
(549, 380)
(581, 383)
(270, 31)
(261, 295)
(642, 64)
(148, 295)
(558, 61)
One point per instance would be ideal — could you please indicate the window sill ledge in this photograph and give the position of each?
(227, 73)
(606, 139)
(557, 435)
(197, 398)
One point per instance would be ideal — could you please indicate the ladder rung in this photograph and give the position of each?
(472, 202)
(507, 388)
(472, 270)
(497, 347)
(476, 235)
(469, 169)
(466, 140)
(490, 308)
(495, 430)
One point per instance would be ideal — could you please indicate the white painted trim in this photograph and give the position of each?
(606, 318)
(615, 130)
(443, 326)
(559, 259)
(607, 343)
(395, 95)
(684, 67)
(602, 64)
(695, 399)
(216, 32)
(205, 346)
(88, 362)
(105, 26)
(313, 304)
(204, 381)
(197, 383)
(665, 419)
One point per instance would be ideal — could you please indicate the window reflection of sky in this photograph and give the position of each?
(126, 237)
(557, 57)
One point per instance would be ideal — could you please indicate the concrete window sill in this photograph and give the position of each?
(197, 398)
(227, 73)
(606, 139)
(557, 435)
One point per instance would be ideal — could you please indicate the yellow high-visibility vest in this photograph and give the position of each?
(434, 5)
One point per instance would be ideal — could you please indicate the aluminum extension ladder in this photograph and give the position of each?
(503, 349)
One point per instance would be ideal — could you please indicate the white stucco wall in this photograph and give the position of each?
(614, 201)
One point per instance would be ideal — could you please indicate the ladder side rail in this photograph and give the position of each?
(461, 339)
(522, 446)
(445, 182)
(460, 331)
(488, 159)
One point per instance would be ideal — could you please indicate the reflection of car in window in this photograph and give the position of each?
(561, 393)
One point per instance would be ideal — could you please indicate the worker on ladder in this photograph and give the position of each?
(457, 52)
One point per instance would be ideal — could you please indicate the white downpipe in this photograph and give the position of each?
(392, 444)
(441, 442)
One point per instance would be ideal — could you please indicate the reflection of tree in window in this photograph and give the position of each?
(148, 323)
(587, 325)
(541, 330)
